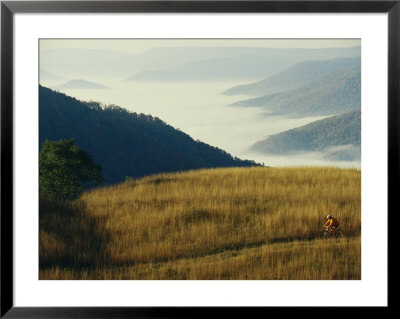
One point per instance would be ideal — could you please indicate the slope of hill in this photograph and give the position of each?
(232, 223)
(125, 143)
(341, 130)
(294, 77)
(334, 93)
(80, 84)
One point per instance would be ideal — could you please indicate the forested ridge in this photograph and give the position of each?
(333, 131)
(294, 77)
(125, 143)
(332, 94)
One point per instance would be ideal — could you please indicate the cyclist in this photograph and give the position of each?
(331, 224)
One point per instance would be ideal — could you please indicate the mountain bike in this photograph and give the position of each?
(332, 233)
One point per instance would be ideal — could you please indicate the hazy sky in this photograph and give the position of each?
(141, 45)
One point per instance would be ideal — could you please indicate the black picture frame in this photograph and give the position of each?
(9, 8)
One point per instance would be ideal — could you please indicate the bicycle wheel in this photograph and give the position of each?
(339, 233)
(324, 234)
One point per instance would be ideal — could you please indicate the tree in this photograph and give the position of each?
(65, 169)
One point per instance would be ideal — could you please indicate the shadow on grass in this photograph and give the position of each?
(69, 237)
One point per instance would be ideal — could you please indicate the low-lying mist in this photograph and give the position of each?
(202, 111)
(326, 157)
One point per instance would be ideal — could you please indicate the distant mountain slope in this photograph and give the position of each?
(244, 67)
(333, 93)
(80, 84)
(125, 143)
(248, 67)
(335, 131)
(71, 62)
(180, 64)
(295, 77)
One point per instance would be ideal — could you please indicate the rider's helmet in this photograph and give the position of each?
(329, 216)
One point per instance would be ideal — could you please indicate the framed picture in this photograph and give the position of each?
(169, 159)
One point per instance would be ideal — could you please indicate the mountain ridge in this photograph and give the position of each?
(93, 63)
(80, 84)
(332, 94)
(294, 77)
(334, 131)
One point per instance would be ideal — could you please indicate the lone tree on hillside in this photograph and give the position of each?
(64, 169)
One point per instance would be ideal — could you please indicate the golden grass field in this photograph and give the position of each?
(233, 223)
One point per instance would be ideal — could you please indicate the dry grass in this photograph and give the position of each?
(237, 223)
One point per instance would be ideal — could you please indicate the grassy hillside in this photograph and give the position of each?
(235, 223)
(319, 135)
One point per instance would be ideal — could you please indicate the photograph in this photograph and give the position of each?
(199, 158)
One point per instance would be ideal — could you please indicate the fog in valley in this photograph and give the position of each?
(196, 106)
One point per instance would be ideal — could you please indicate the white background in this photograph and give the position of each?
(371, 290)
